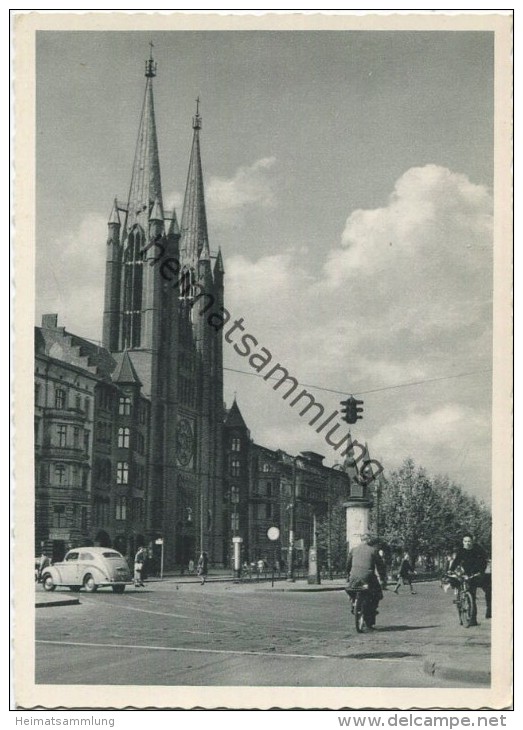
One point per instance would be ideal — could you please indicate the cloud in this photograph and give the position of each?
(229, 199)
(405, 296)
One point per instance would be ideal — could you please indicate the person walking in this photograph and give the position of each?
(139, 560)
(405, 573)
(203, 562)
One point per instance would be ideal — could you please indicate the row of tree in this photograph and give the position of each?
(413, 512)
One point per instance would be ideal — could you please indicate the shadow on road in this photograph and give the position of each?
(381, 629)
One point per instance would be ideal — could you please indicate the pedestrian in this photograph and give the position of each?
(472, 559)
(203, 562)
(43, 563)
(365, 566)
(139, 560)
(405, 573)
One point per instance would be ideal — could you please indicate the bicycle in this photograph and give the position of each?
(363, 605)
(464, 600)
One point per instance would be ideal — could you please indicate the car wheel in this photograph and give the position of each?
(48, 583)
(89, 584)
(118, 589)
(75, 589)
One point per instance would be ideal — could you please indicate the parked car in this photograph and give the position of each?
(90, 568)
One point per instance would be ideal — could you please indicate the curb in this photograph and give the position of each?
(58, 602)
(436, 669)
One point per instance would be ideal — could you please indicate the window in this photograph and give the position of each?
(59, 398)
(235, 444)
(122, 472)
(87, 406)
(78, 402)
(76, 437)
(59, 516)
(268, 512)
(123, 438)
(121, 508)
(235, 468)
(132, 289)
(235, 522)
(266, 468)
(62, 435)
(71, 556)
(59, 472)
(269, 489)
(235, 495)
(75, 475)
(124, 406)
(83, 519)
(86, 441)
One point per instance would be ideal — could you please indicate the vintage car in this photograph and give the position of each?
(90, 568)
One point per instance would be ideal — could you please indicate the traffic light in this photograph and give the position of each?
(351, 408)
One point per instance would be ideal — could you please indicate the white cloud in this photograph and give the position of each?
(228, 199)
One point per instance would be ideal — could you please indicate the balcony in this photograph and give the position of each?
(63, 453)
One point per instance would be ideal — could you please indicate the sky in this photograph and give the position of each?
(348, 181)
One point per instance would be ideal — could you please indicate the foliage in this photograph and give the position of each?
(425, 516)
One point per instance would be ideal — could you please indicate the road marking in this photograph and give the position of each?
(217, 620)
(185, 649)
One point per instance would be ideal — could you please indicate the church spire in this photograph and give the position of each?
(194, 236)
(146, 185)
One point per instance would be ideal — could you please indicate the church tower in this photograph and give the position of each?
(158, 322)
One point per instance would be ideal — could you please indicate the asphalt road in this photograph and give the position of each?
(246, 635)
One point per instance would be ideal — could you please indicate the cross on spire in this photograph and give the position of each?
(150, 65)
(197, 120)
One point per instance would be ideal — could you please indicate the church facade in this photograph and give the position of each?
(133, 443)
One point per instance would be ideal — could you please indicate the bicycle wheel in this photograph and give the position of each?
(359, 613)
(466, 606)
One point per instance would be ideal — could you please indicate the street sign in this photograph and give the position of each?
(273, 533)
(159, 541)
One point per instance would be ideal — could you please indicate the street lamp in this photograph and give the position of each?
(290, 555)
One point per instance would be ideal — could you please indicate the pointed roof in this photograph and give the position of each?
(218, 266)
(125, 372)
(115, 216)
(234, 417)
(174, 228)
(194, 219)
(156, 212)
(146, 185)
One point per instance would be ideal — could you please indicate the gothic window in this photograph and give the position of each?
(235, 467)
(124, 406)
(62, 435)
(235, 444)
(235, 522)
(122, 472)
(59, 471)
(121, 508)
(123, 438)
(59, 515)
(59, 398)
(132, 303)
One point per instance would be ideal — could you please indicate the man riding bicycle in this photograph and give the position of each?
(473, 561)
(362, 564)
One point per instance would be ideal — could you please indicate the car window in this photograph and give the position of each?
(71, 556)
(86, 556)
(111, 555)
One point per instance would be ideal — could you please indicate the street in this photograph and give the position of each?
(180, 633)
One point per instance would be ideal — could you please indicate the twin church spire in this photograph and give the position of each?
(128, 299)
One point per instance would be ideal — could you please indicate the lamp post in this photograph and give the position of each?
(290, 554)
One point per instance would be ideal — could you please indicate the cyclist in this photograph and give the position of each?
(362, 564)
(473, 561)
